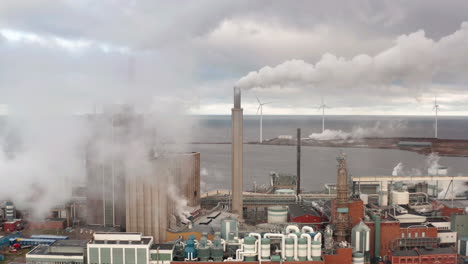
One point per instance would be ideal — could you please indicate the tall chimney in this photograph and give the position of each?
(298, 157)
(342, 199)
(237, 154)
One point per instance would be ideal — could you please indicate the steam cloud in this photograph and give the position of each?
(378, 130)
(412, 61)
(432, 164)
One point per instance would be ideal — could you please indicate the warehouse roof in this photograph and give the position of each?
(296, 210)
(436, 251)
(166, 246)
(401, 253)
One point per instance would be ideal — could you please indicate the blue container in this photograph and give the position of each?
(2, 258)
(190, 251)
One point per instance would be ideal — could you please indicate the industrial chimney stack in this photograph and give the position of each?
(342, 200)
(237, 154)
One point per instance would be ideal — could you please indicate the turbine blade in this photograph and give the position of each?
(258, 109)
(258, 99)
(267, 103)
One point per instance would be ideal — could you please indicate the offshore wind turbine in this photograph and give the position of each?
(436, 108)
(323, 106)
(260, 109)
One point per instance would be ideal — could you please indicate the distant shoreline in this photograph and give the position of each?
(425, 146)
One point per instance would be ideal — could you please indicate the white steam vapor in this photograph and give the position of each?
(181, 204)
(412, 61)
(398, 170)
(378, 130)
(432, 163)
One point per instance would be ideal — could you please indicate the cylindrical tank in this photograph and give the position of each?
(316, 250)
(10, 212)
(400, 197)
(360, 237)
(203, 248)
(228, 225)
(289, 252)
(277, 214)
(358, 258)
(302, 249)
(463, 246)
(232, 245)
(190, 252)
(217, 252)
(266, 248)
(276, 258)
(364, 197)
(249, 249)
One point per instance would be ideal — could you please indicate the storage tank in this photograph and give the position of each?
(364, 197)
(358, 258)
(400, 197)
(316, 250)
(289, 252)
(302, 249)
(228, 225)
(277, 214)
(360, 239)
(266, 248)
(10, 213)
(217, 252)
(249, 249)
(203, 248)
(463, 246)
(190, 252)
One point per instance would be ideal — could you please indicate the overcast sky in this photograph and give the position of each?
(363, 57)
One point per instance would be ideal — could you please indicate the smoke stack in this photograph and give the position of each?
(342, 200)
(237, 154)
(298, 191)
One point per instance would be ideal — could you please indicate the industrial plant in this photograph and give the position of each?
(153, 211)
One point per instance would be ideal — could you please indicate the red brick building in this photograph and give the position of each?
(425, 256)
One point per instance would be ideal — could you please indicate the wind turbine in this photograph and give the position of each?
(323, 106)
(436, 108)
(260, 108)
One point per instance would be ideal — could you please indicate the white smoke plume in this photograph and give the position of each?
(181, 204)
(398, 170)
(358, 132)
(412, 61)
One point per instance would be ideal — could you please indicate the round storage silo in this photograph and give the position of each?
(229, 225)
(277, 214)
(400, 197)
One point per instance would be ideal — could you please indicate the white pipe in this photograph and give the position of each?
(293, 236)
(309, 246)
(318, 237)
(223, 242)
(258, 248)
(307, 229)
(283, 242)
(295, 228)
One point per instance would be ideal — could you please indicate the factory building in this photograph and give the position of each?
(164, 196)
(119, 248)
(428, 256)
(59, 252)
